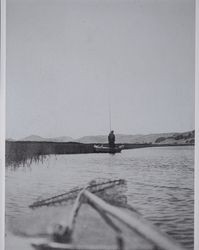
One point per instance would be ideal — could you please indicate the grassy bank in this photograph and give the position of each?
(19, 152)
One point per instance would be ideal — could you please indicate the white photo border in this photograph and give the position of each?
(3, 127)
(196, 168)
(2, 124)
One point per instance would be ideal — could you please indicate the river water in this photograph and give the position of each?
(160, 184)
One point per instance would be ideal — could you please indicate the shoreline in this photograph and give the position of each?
(18, 152)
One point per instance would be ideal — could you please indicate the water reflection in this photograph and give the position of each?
(159, 180)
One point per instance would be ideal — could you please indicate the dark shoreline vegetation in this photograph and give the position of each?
(23, 153)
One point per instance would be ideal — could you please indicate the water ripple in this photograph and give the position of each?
(160, 184)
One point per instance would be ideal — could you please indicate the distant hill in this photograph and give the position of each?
(160, 138)
(61, 139)
(122, 138)
(93, 139)
(10, 139)
(32, 138)
(186, 137)
(56, 139)
(177, 138)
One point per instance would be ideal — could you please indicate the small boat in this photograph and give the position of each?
(106, 149)
(94, 222)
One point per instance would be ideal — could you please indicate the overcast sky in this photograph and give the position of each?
(62, 56)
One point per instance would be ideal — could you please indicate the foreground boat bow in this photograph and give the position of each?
(129, 230)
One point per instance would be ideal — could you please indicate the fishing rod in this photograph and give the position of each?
(109, 105)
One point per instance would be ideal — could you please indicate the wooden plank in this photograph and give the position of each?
(136, 223)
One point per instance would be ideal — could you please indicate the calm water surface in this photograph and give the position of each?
(160, 184)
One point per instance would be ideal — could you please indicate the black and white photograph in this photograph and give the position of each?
(100, 124)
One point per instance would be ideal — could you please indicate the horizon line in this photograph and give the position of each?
(79, 137)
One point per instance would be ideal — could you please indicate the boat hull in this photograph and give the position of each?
(99, 224)
(86, 234)
(102, 149)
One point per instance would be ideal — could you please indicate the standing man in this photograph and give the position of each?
(111, 139)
